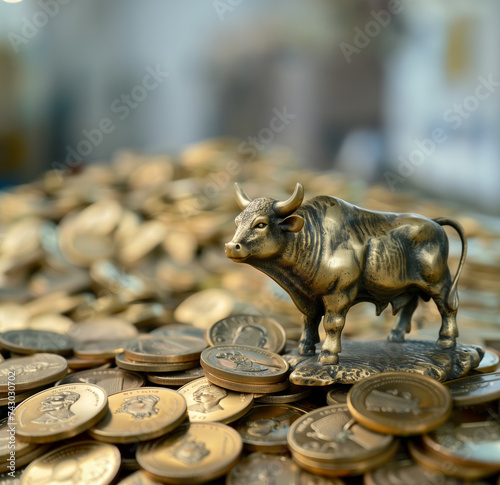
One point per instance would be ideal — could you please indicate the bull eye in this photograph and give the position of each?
(261, 225)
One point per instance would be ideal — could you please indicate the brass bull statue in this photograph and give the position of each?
(329, 255)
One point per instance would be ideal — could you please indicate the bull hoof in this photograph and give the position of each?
(327, 358)
(446, 342)
(306, 349)
(396, 337)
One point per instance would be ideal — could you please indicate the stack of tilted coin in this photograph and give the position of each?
(123, 264)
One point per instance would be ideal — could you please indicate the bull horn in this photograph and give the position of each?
(241, 197)
(283, 209)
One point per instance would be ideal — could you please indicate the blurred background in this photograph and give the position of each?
(401, 92)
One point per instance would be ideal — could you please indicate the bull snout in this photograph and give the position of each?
(236, 251)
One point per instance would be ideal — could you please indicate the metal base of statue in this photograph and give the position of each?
(362, 359)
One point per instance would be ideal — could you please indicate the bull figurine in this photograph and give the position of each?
(329, 255)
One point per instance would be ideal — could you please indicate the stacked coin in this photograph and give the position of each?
(245, 369)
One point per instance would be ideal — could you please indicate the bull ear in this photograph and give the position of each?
(292, 223)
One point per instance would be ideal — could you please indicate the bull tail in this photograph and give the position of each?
(448, 221)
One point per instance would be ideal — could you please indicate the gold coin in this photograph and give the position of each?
(22, 460)
(468, 391)
(210, 403)
(165, 349)
(431, 461)
(174, 329)
(337, 469)
(469, 440)
(399, 403)
(84, 462)
(127, 364)
(5, 399)
(244, 364)
(102, 329)
(138, 478)
(193, 453)
(27, 373)
(51, 322)
(489, 362)
(265, 427)
(331, 435)
(107, 349)
(402, 470)
(205, 307)
(8, 443)
(176, 378)
(338, 394)
(140, 414)
(250, 330)
(294, 393)
(278, 470)
(28, 341)
(74, 363)
(60, 412)
(111, 380)
(247, 387)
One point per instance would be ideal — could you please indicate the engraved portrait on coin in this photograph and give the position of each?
(208, 399)
(253, 335)
(237, 361)
(57, 408)
(20, 369)
(140, 407)
(190, 451)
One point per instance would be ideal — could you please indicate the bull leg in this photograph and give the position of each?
(448, 332)
(336, 310)
(403, 322)
(310, 335)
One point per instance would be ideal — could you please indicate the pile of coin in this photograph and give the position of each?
(115, 292)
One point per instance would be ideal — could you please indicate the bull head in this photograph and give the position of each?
(263, 225)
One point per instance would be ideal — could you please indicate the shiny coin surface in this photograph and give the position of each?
(489, 362)
(124, 363)
(246, 387)
(83, 462)
(425, 457)
(181, 329)
(331, 435)
(138, 478)
(210, 403)
(19, 396)
(9, 442)
(244, 364)
(338, 394)
(60, 412)
(176, 378)
(102, 329)
(106, 349)
(74, 363)
(140, 414)
(27, 457)
(404, 471)
(475, 389)
(31, 372)
(266, 426)
(111, 380)
(33, 341)
(193, 453)
(250, 330)
(165, 349)
(399, 403)
(467, 440)
(292, 394)
(259, 468)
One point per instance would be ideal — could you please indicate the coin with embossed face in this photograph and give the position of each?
(74, 464)
(33, 341)
(193, 453)
(60, 412)
(140, 414)
(244, 364)
(250, 330)
(208, 402)
(472, 390)
(165, 349)
(265, 427)
(111, 380)
(259, 468)
(31, 372)
(399, 403)
(331, 434)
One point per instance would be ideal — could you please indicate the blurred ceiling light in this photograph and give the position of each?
(12, 1)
